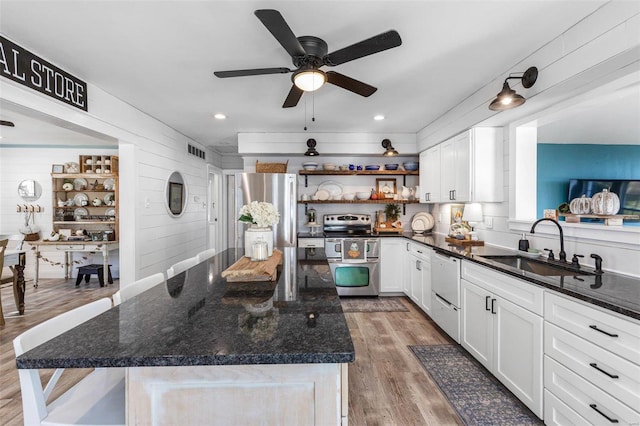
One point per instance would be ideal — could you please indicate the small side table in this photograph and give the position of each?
(86, 271)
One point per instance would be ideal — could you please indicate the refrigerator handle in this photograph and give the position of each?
(293, 187)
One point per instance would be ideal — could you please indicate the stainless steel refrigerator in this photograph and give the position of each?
(280, 189)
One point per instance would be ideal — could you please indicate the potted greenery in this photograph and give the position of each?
(392, 212)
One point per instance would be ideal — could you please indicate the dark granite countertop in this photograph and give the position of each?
(616, 292)
(197, 318)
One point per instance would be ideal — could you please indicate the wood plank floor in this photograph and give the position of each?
(387, 385)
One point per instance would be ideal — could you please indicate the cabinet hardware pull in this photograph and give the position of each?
(493, 301)
(595, 407)
(454, 194)
(418, 265)
(595, 327)
(486, 303)
(613, 376)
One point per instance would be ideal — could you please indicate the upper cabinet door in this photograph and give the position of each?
(470, 168)
(430, 175)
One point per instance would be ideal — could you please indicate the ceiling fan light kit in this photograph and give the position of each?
(309, 53)
(309, 80)
(508, 98)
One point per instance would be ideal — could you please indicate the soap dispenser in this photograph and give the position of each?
(523, 244)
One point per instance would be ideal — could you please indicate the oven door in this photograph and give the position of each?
(355, 278)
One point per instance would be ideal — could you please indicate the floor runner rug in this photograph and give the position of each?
(477, 396)
(372, 304)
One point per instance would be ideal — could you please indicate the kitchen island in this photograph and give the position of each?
(200, 350)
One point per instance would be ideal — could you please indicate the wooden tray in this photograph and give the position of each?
(244, 270)
(458, 242)
(388, 229)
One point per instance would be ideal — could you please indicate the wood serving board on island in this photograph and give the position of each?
(245, 270)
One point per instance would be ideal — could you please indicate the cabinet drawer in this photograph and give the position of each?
(558, 413)
(594, 364)
(311, 242)
(523, 294)
(604, 329)
(587, 400)
(420, 251)
(70, 247)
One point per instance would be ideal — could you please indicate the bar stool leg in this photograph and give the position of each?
(101, 276)
(79, 278)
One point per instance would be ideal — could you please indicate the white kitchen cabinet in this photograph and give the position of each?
(503, 335)
(392, 253)
(407, 261)
(419, 272)
(430, 175)
(592, 362)
(470, 168)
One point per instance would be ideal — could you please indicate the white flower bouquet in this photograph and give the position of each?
(259, 213)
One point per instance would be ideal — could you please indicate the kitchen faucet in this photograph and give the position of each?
(563, 254)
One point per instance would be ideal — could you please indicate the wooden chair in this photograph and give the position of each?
(206, 254)
(15, 243)
(3, 247)
(181, 266)
(271, 167)
(99, 398)
(137, 287)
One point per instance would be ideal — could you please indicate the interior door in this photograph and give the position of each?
(214, 202)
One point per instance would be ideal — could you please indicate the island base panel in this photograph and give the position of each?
(300, 394)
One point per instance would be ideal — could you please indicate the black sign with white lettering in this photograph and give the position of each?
(24, 67)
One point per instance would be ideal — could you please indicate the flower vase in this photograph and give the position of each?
(255, 233)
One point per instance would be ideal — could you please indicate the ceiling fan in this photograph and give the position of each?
(309, 53)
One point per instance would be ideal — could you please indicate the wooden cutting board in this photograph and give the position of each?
(244, 270)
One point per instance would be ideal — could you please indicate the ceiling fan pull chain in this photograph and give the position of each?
(305, 115)
(313, 106)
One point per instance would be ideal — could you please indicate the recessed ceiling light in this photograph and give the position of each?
(219, 116)
(379, 117)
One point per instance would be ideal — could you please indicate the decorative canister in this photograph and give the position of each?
(255, 233)
(259, 250)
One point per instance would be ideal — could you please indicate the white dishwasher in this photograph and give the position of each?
(445, 293)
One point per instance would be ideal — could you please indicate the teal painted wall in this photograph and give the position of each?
(557, 163)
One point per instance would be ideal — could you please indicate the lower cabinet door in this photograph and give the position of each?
(416, 279)
(517, 353)
(477, 323)
(425, 301)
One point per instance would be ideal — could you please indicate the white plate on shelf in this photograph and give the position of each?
(80, 212)
(333, 188)
(109, 184)
(109, 198)
(80, 184)
(81, 199)
(110, 212)
(323, 195)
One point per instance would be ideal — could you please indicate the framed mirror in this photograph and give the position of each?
(29, 190)
(176, 194)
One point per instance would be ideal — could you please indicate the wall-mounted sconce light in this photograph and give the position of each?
(390, 150)
(508, 98)
(311, 148)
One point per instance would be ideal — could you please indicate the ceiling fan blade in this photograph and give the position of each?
(255, 71)
(7, 123)
(367, 47)
(275, 23)
(293, 97)
(355, 86)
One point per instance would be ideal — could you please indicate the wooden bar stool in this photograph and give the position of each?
(86, 271)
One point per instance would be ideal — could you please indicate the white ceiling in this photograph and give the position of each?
(159, 56)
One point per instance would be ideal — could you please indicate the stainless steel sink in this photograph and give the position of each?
(536, 266)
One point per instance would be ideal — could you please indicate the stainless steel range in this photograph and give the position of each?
(352, 253)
